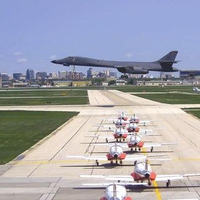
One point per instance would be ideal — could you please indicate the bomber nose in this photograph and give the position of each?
(54, 61)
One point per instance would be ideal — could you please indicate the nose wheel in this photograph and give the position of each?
(168, 183)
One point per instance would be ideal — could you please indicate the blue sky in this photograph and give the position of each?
(33, 32)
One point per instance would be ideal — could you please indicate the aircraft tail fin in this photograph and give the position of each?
(169, 58)
(167, 61)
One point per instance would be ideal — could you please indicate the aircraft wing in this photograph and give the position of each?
(111, 183)
(135, 157)
(100, 136)
(174, 176)
(127, 178)
(146, 145)
(144, 122)
(88, 157)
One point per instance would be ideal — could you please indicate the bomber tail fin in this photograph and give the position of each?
(168, 60)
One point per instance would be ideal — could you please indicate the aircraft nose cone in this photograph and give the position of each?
(54, 61)
(147, 175)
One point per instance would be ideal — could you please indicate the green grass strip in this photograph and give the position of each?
(19, 130)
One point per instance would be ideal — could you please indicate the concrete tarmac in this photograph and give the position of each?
(44, 173)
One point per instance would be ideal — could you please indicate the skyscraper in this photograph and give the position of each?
(29, 74)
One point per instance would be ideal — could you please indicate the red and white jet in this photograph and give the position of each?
(133, 127)
(114, 191)
(120, 134)
(115, 154)
(142, 172)
(119, 123)
(117, 192)
(137, 143)
(123, 116)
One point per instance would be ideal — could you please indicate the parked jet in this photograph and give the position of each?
(114, 191)
(164, 64)
(142, 172)
(115, 154)
(196, 89)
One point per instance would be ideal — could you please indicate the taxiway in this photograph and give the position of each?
(44, 173)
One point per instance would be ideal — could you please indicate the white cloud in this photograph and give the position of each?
(53, 57)
(129, 55)
(18, 53)
(22, 60)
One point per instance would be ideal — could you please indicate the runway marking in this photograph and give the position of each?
(157, 190)
(154, 182)
(50, 162)
(84, 161)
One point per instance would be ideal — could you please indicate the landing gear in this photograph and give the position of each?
(97, 162)
(120, 162)
(151, 149)
(124, 76)
(107, 140)
(135, 149)
(168, 183)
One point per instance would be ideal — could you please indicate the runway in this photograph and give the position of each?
(44, 173)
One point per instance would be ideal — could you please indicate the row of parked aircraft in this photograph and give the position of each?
(116, 189)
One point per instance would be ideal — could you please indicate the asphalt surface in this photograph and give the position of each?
(44, 173)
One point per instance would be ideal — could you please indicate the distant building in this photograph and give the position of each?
(190, 74)
(20, 85)
(62, 74)
(75, 76)
(113, 74)
(30, 74)
(41, 75)
(17, 76)
(121, 82)
(4, 76)
(90, 73)
(53, 75)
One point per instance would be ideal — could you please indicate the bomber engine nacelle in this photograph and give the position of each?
(133, 70)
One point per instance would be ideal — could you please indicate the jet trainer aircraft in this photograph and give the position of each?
(115, 154)
(164, 64)
(142, 172)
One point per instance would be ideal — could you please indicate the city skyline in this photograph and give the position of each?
(36, 32)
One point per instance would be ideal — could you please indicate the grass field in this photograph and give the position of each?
(43, 97)
(166, 94)
(173, 98)
(172, 88)
(19, 130)
(193, 111)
